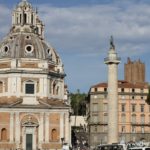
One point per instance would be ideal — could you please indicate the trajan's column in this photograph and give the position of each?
(112, 61)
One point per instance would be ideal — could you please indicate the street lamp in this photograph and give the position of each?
(62, 140)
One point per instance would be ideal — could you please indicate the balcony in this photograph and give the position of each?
(108, 60)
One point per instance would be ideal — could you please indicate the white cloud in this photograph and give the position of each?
(82, 33)
(85, 29)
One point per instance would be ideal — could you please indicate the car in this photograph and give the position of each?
(111, 147)
(140, 148)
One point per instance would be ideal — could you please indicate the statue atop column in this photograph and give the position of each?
(112, 46)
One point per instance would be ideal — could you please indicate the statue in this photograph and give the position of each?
(112, 46)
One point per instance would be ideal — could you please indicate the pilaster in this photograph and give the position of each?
(46, 127)
(12, 127)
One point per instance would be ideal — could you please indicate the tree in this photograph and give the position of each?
(78, 103)
(148, 97)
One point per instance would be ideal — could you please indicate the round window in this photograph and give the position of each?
(29, 48)
(28, 37)
(5, 49)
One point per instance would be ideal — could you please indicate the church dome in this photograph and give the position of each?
(26, 37)
(26, 45)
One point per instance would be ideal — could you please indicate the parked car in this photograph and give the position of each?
(111, 147)
(140, 148)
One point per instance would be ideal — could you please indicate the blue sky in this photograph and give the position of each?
(80, 31)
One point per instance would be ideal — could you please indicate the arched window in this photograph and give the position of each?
(54, 88)
(25, 18)
(3, 134)
(54, 135)
(1, 87)
(20, 19)
(32, 18)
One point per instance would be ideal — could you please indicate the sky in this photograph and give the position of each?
(80, 32)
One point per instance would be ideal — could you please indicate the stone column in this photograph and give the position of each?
(46, 127)
(67, 127)
(12, 127)
(17, 129)
(41, 129)
(23, 138)
(61, 126)
(34, 139)
(112, 104)
(112, 62)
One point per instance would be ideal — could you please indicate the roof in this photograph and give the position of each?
(14, 102)
(123, 84)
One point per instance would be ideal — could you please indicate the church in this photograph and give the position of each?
(34, 110)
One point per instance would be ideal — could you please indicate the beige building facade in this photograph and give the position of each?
(34, 110)
(133, 112)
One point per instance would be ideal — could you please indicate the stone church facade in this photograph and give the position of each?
(34, 113)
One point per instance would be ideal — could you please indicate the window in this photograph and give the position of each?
(142, 130)
(25, 18)
(133, 97)
(142, 108)
(133, 108)
(105, 118)
(123, 129)
(54, 135)
(105, 107)
(122, 89)
(123, 118)
(133, 119)
(29, 88)
(123, 107)
(133, 129)
(95, 118)
(95, 107)
(105, 89)
(133, 90)
(1, 87)
(29, 49)
(142, 119)
(54, 88)
(95, 89)
(95, 128)
(105, 128)
(20, 19)
(3, 134)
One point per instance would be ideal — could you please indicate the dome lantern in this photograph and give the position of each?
(25, 19)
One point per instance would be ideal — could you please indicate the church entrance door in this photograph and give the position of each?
(29, 141)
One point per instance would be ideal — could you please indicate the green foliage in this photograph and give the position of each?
(78, 103)
(148, 97)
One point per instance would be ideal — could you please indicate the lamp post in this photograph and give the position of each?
(62, 140)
